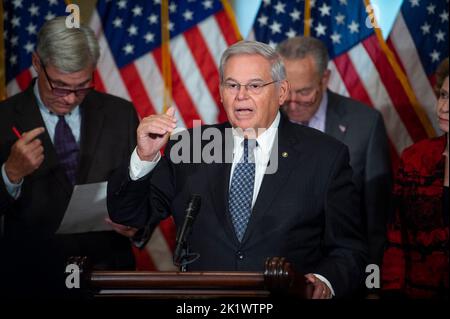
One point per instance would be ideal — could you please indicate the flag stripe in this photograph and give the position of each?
(99, 86)
(192, 80)
(353, 82)
(132, 79)
(159, 251)
(106, 65)
(350, 77)
(153, 84)
(168, 227)
(206, 64)
(403, 46)
(396, 91)
(180, 96)
(214, 39)
(23, 79)
(336, 83)
(143, 259)
(404, 83)
(224, 22)
(379, 96)
(12, 88)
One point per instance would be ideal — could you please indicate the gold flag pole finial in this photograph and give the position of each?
(307, 20)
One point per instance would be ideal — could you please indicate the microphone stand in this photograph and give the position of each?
(181, 256)
(186, 257)
(183, 259)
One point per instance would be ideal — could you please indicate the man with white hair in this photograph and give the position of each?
(306, 209)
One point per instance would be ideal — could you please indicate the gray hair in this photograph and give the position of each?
(67, 49)
(300, 47)
(253, 47)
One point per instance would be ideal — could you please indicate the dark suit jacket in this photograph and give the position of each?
(307, 211)
(362, 129)
(108, 135)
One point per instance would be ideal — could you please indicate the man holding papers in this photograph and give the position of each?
(56, 134)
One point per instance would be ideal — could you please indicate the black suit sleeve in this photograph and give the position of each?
(144, 202)
(133, 125)
(343, 241)
(6, 201)
(377, 190)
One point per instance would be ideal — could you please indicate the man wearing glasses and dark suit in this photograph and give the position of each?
(276, 189)
(58, 133)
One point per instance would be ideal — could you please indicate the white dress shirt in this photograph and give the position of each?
(261, 152)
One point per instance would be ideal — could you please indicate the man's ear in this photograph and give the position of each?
(36, 62)
(326, 78)
(221, 93)
(284, 91)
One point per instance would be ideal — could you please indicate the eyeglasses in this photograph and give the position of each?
(305, 93)
(252, 87)
(61, 92)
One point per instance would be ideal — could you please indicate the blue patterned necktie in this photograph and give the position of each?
(66, 148)
(241, 190)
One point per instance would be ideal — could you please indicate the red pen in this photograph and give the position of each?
(16, 132)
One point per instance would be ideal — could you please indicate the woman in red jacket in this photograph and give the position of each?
(416, 261)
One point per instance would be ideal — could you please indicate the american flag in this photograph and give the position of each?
(360, 67)
(130, 66)
(419, 38)
(22, 20)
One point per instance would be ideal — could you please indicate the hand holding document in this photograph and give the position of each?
(86, 211)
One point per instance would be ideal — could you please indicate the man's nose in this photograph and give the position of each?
(291, 104)
(291, 94)
(70, 98)
(242, 93)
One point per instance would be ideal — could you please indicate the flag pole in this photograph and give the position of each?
(231, 16)
(165, 46)
(418, 109)
(2, 57)
(307, 24)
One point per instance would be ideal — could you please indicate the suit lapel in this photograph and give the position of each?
(29, 117)
(335, 123)
(91, 126)
(287, 157)
(219, 175)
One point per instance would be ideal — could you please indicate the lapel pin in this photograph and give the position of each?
(284, 154)
(342, 128)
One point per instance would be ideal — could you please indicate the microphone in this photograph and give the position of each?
(192, 211)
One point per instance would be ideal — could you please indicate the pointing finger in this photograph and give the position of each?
(27, 137)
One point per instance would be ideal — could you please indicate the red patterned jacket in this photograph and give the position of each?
(416, 261)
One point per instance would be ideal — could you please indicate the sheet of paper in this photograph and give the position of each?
(86, 211)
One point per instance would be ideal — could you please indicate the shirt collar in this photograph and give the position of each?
(265, 140)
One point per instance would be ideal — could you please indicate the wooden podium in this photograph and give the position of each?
(278, 279)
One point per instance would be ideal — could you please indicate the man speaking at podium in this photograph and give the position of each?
(268, 187)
